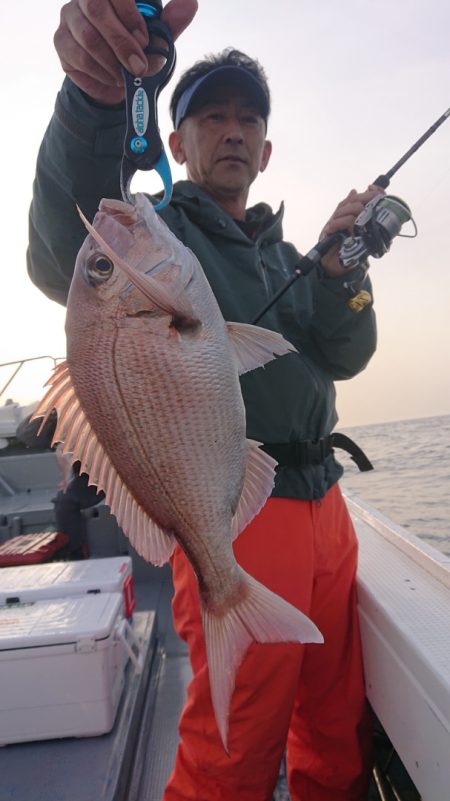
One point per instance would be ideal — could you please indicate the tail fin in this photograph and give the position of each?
(261, 617)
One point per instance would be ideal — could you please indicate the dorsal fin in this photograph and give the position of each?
(73, 429)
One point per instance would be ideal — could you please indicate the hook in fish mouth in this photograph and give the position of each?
(118, 207)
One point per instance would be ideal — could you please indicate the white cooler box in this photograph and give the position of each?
(27, 583)
(62, 667)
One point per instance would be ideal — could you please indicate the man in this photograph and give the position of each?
(74, 493)
(302, 545)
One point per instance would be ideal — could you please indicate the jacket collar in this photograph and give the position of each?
(207, 214)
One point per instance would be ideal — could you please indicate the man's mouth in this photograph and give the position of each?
(232, 158)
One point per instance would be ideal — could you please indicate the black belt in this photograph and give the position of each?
(306, 452)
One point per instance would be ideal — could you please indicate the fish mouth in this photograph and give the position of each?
(125, 212)
(151, 271)
(145, 313)
(174, 304)
(160, 265)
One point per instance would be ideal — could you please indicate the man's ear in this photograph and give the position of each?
(267, 151)
(176, 147)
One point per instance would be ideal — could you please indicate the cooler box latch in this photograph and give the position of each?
(85, 645)
(124, 633)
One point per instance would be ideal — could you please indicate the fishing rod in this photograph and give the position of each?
(374, 229)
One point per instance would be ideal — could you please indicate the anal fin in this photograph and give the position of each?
(258, 484)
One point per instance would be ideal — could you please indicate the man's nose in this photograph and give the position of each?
(233, 133)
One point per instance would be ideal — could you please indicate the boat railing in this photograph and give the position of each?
(437, 564)
(18, 365)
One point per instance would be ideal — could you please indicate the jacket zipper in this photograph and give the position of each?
(267, 289)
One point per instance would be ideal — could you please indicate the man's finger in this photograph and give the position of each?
(128, 14)
(107, 95)
(119, 41)
(96, 37)
(79, 62)
(79, 44)
(344, 222)
(178, 14)
(75, 52)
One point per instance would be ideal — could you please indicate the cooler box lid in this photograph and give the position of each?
(58, 621)
(61, 579)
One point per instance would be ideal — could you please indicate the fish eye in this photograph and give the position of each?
(99, 268)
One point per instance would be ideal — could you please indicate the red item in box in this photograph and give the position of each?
(28, 549)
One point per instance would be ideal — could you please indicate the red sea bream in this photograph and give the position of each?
(149, 401)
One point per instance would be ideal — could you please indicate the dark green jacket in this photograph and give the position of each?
(293, 397)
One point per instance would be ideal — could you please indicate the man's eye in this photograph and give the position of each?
(215, 116)
(250, 119)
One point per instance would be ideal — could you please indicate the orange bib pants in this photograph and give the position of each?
(307, 699)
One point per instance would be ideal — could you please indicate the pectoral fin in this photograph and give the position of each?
(255, 346)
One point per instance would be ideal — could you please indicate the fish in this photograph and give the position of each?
(149, 401)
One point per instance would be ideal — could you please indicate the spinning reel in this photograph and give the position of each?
(378, 224)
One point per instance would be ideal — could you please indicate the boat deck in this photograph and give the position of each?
(404, 605)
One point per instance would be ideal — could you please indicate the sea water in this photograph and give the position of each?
(410, 482)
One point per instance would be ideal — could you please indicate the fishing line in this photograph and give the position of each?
(432, 190)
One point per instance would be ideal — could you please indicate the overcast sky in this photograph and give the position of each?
(354, 84)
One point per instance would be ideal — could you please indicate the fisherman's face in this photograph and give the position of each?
(223, 145)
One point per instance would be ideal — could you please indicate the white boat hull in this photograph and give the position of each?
(404, 607)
